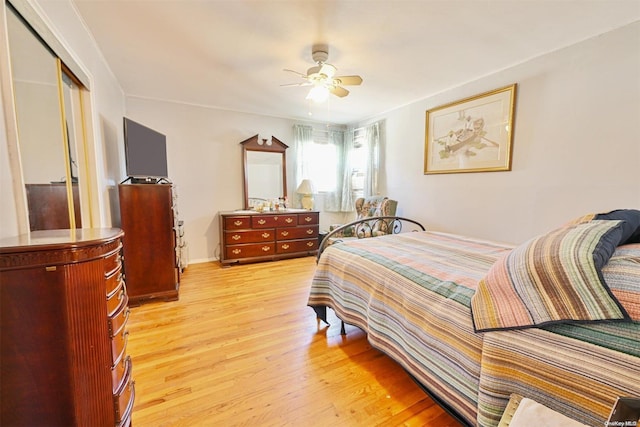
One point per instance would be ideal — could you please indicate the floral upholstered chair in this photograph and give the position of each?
(368, 207)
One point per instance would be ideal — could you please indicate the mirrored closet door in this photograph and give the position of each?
(48, 106)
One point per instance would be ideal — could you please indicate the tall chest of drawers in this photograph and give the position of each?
(64, 311)
(148, 215)
(252, 237)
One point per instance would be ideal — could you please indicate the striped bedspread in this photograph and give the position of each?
(556, 277)
(577, 370)
(411, 293)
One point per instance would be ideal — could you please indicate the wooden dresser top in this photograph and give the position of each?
(56, 239)
(244, 212)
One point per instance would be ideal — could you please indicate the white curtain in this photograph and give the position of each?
(372, 144)
(302, 137)
(341, 199)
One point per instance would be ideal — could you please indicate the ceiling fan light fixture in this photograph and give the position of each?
(322, 77)
(319, 93)
(328, 71)
(313, 71)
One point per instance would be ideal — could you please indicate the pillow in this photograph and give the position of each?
(553, 278)
(630, 223)
(622, 274)
(525, 412)
(581, 220)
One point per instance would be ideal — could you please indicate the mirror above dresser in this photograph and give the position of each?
(265, 170)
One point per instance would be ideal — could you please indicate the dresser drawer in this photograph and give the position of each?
(112, 281)
(251, 250)
(291, 246)
(114, 299)
(123, 400)
(119, 319)
(119, 373)
(308, 218)
(276, 220)
(113, 262)
(249, 236)
(297, 233)
(125, 422)
(118, 347)
(237, 222)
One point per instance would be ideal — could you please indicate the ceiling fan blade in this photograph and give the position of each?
(304, 76)
(339, 91)
(296, 84)
(348, 80)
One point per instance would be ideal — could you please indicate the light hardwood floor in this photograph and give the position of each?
(241, 347)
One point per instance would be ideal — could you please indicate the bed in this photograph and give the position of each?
(429, 301)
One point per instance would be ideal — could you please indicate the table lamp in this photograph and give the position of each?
(306, 190)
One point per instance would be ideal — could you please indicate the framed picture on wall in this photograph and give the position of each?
(471, 135)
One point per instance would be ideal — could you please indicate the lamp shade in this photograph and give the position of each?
(306, 187)
(318, 93)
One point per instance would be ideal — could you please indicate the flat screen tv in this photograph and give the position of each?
(145, 152)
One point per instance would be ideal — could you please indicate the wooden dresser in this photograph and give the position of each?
(247, 236)
(151, 258)
(64, 311)
(48, 207)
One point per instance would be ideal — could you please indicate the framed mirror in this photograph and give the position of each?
(265, 170)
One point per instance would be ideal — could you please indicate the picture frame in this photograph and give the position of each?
(474, 134)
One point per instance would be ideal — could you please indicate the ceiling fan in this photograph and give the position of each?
(322, 77)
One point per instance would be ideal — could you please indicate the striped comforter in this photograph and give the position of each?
(553, 278)
(411, 293)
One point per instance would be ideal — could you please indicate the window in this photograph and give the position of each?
(341, 164)
(323, 165)
(321, 168)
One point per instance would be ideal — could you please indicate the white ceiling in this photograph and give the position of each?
(230, 54)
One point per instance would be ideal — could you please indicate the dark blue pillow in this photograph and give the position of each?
(630, 223)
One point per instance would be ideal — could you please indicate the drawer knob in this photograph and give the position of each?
(262, 221)
(289, 220)
(266, 248)
(236, 251)
(236, 237)
(237, 223)
(285, 246)
(266, 235)
(285, 233)
(307, 219)
(310, 231)
(310, 244)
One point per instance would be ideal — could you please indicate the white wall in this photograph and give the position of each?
(576, 146)
(41, 151)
